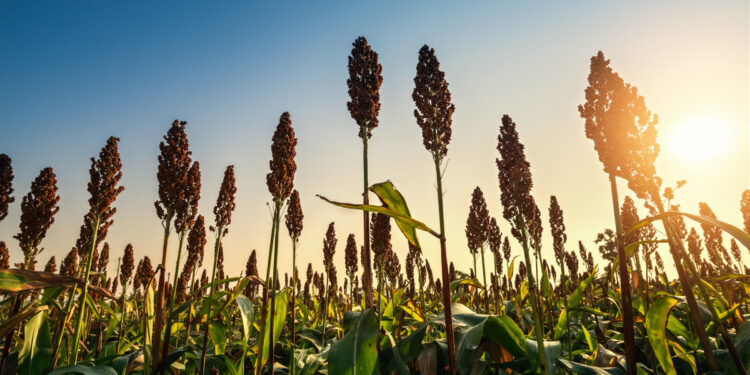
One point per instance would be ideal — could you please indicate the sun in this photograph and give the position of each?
(699, 140)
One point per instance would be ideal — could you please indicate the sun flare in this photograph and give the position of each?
(699, 140)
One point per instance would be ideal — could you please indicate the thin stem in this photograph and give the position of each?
(625, 293)
(217, 245)
(367, 272)
(159, 303)
(535, 305)
(273, 285)
(444, 269)
(264, 306)
(484, 280)
(84, 292)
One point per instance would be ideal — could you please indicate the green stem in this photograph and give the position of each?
(367, 271)
(264, 306)
(535, 306)
(273, 285)
(625, 292)
(294, 296)
(444, 270)
(484, 280)
(217, 245)
(84, 292)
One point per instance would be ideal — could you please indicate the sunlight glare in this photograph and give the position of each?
(699, 139)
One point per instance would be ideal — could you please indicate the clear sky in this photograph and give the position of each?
(74, 73)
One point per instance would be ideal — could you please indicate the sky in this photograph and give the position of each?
(74, 73)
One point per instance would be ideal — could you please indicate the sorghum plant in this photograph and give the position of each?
(365, 78)
(174, 164)
(104, 188)
(223, 217)
(434, 114)
(520, 210)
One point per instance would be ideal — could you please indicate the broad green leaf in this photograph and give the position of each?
(355, 353)
(84, 370)
(552, 352)
(248, 315)
(278, 322)
(36, 353)
(10, 323)
(573, 301)
(393, 199)
(581, 369)
(656, 321)
(391, 361)
(504, 331)
(218, 333)
(409, 346)
(395, 207)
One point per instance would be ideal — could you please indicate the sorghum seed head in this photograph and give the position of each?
(622, 128)
(329, 246)
(186, 205)
(4, 256)
(6, 185)
(127, 266)
(38, 209)
(380, 235)
(478, 221)
(365, 78)
(69, 265)
(294, 216)
(174, 163)
(280, 180)
(557, 226)
(350, 255)
(225, 202)
(51, 265)
(432, 98)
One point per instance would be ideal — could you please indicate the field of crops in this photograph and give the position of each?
(519, 314)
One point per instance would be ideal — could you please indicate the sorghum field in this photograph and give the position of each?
(520, 314)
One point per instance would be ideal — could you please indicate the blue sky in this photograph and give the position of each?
(74, 73)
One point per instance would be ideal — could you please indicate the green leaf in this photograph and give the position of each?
(467, 281)
(581, 369)
(391, 361)
(656, 321)
(511, 265)
(409, 346)
(36, 353)
(248, 315)
(393, 199)
(573, 301)
(218, 333)
(589, 340)
(355, 353)
(552, 351)
(504, 331)
(395, 207)
(735, 232)
(546, 287)
(85, 370)
(278, 322)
